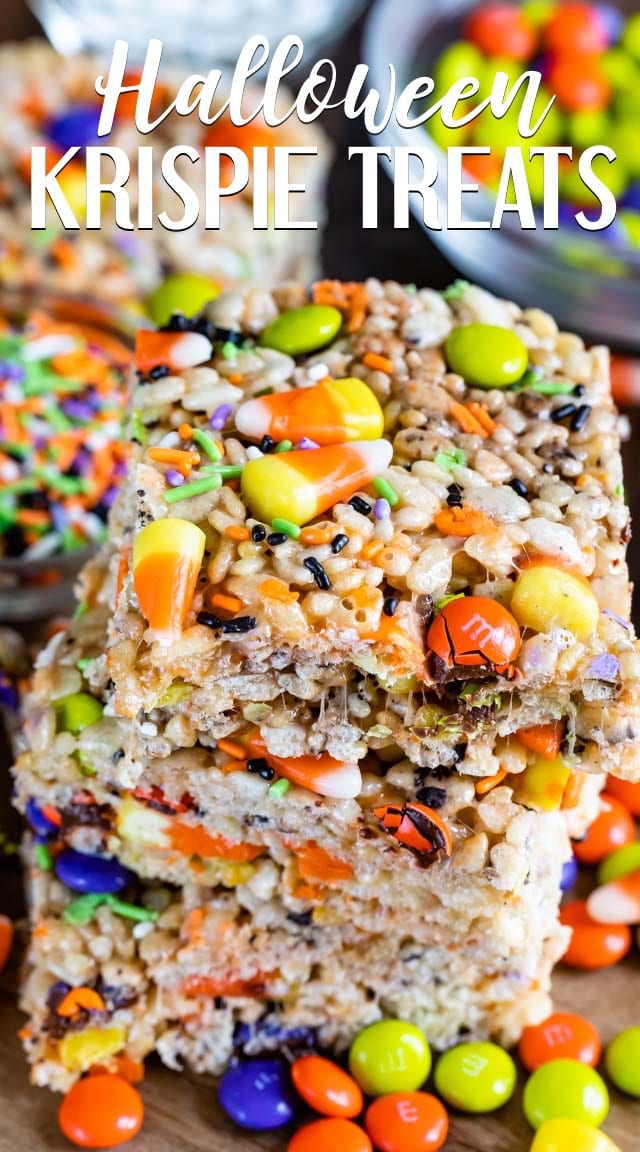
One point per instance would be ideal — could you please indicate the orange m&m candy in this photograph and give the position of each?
(326, 1087)
(563, 1035)
(334, 1134)
(611, 829)
(626, 792)
(6, 939)
(580, 83)
(407, 1122)
(575, 28)
(501, 30)
(101, 1112)
(474, 630)
(593, 945)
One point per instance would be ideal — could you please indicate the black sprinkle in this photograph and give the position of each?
(159, 371)
(562, 412)
(519, 487)
(318, 572)
(390, 605)
(118, 755)
(432, 797)
(229, 336)
(303, 918)
(360, 505)
(339, 542)
(267, 444)
(579, 390)
(580, 418)
(454, 490)
(261, 768)
(240, 624)
(209, 620)
(454, 500)
(177, 323)
(258, 533)
(275, 538)
(460, 751)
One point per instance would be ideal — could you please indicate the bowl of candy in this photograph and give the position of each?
(64, 381)
(588, 56)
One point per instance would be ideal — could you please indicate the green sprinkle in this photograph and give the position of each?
(174, 694)
(66, 485)
(207, 444)
(17, 487)
(82, 910)
(226, 471)
(386, 490)
(195, 488)
(229, 350)
(43, 858)
(379, 731)
(532, 381)
(264, 392)
(83, 663)
(130, 911)
(452, 458)
(280, 787)
(455, 290)
(440, 604)
(57, 419)
(16, 448)
(85, 766)
(618, 490)
(284, 446)
(287, 527)
(137, 430)
(81, 610)
(411, 289)
(72, 541)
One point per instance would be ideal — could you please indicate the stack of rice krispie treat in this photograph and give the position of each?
(50, 101)
(340, 686)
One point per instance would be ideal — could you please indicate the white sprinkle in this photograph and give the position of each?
(254, 453)
(317, 371)
(149, 729)
(171, 440)
(108, 710)
(45, 546)
(9, 471)
(13, 394)
(139, 931)
(48, 346)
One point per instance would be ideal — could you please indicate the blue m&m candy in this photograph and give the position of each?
(257, 1094)
(77, 127)
(569, 874)
(40, 823)
(84, 873)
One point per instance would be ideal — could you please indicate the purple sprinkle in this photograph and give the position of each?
(306, 443)
(9, 371)
(77, 410)
(618, 619)
(128, 243)
(109, 497)
(569, 874)
(382, 509)
(604, 667)
(220, 416)
(120, 469)
(175, 479)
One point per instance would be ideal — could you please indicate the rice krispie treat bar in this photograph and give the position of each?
(417, 489)
(52, 102)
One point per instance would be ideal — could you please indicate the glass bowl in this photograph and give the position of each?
(585, 283)
(37, 589)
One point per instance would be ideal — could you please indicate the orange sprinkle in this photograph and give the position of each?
(79, 999)
(30, 517)
(183, 461)
(52, 814)
(235, 378)
(274, 589)
(64, 254)
(185, 431)
(378, 363)
(371, 549)
(482, 416)
(489, 782)
(466, 419)
(352, 299)
(39, 930)
(229, 603)
(232, 748)
(458, 521)
(192, 925)
(316, 535)
(573, 791)
(237, 532)
(234, 766)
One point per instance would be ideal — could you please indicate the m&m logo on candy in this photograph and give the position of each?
(332, 412)
(167, 555)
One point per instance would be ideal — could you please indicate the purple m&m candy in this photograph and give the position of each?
(84, 873)
(631, 197)
(257, 1094)
(78, 127)
(611, 20)
(569, 874)
(40, 823)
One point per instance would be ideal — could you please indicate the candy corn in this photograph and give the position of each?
(542, 784)
(174, 350)
(321, 774)
(618, 902)
(297, 486)
(329, 413)
(167, 555)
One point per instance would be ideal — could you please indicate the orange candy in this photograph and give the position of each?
(472, 631)
(417, 826)
(326, 1087)
(545, 739)
(612, 829)
(6, 939)
(407, 1122)
(593, 945)
(626, 792)
(562, 1036)
(579, 83)
(331, 1135)
(577, 28)
(501, 30)
(101, 1112)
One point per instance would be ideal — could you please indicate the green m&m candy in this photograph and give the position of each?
(476, 1077)
(565, 1088)
(185, 292)
(77, 711)
(302, 329)
(486, 356)
(622, 1061)
(390, 1056)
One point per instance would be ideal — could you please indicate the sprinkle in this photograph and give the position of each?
(455, 290)
(265, 392)
(317, 371)
(275, 589)
(82, 910)
(175, 479)
(551, 387)
(381, 509)
(209, 447)
(317, 571)
(284, 446)
(83, 663)
(305, 444)
(276, 538)
(225, 471)
(148, 728)
(130, 911)
(580, 417)
(562, 412)
(232, 748)
(229, 350)
(580, 390)
(315, 535)
(385, 489)
(378, 363)
(390, 605)
(226, 603)
(519, 487)
(253, 452)
(280, 788)
(209, 620)
(360, 505)
(287, 527)
(185, 431)
(240, 624)
(258, 533)
(43, 858)
(440, 604)
(267, 444)
(194, 488)
(176, 456)
(219, 416)
(260, 767)
(339, 542)
(236, 532)
(618, 619)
